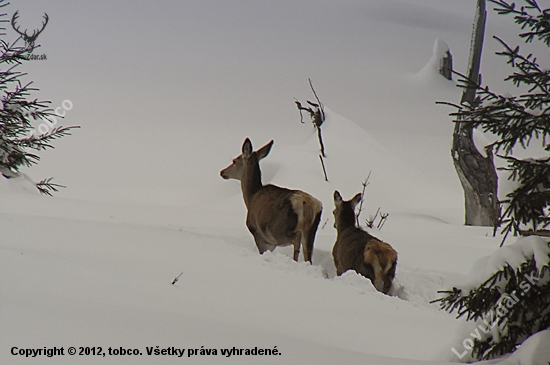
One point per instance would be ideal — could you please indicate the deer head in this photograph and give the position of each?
(29, 39)
(344, 211)
(235, 170)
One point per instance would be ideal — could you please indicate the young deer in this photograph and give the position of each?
(357, 250)
(276, 216)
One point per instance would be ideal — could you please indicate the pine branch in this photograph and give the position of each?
(42, 142)
(507, 117)
(527, 204)
(538, 25)
(46, 187)
(530, 72)
(513, 302)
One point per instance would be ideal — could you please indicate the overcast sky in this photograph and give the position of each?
(236, 54)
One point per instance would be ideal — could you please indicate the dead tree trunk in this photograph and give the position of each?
(476, 172)
(446, 66)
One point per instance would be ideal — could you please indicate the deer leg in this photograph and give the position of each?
(309, 238)
(307, 246)
(296, 242)
(262, 245)
(336, 266)
(308, 250)
(260, 242)
(388, 278)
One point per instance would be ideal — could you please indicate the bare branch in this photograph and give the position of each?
(383, 219)
(370, 222)
(320, 106)
(365, 184)
(177, 278)
(324, 169)
(317, 115)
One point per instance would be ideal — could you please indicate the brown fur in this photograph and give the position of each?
(382, 257)
(355, 249)
(276, 216)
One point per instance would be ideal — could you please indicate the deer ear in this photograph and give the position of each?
(247, 148)
(337, 198)
(264, 151)
(356, 199)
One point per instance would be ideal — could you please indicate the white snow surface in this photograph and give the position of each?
(536, 344)
(94, 265)
(513, 255)
(481, 142)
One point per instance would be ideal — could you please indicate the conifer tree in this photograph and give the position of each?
(19, 114)
(519, 286)
(518, 121)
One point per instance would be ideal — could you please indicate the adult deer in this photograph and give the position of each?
(276, 216)
(355, 249)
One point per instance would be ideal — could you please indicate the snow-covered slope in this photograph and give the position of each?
(79, 273)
